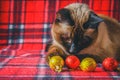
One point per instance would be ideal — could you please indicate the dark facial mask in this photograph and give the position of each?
(76, 43)
(79, 41)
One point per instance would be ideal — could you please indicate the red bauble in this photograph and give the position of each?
(110, 64)
(72, 62)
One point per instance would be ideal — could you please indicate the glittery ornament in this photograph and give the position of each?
(56, 63)
(72, 62)
(110, 64)
(88, 64)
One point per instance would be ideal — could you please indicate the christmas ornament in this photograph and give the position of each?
(72, 62)
(88, 64)
(110, 64)
(56, 63)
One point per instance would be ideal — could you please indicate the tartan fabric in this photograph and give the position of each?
(24, 31)
(34, 67)
(28, 22)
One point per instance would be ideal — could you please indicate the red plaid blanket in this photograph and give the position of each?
(25, 30)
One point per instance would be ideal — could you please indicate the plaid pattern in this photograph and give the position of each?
(33, 67)
(25, 30)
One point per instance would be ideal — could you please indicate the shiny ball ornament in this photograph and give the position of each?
(110, 64)
(56, 63)
(72, 62)
(88, 64)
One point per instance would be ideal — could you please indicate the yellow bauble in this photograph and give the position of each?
(88, 64)
(56, 63)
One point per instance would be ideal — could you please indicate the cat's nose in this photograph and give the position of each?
(73, 49)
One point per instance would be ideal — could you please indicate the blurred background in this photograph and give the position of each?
(26, 24)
